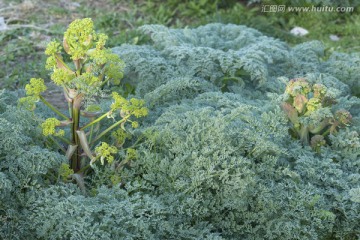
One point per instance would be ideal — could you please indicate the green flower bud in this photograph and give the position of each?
(319, 91)
(65, 171)
(317, 142)
(131, 154)
(120, 136)
(98, 55)
(135, 124)
(343, 117)
(312, 105)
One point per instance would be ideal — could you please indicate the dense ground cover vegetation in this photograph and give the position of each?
(247, 136)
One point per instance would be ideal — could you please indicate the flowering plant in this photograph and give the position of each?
(93, 66)
(308, 107)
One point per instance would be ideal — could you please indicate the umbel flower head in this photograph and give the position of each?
(78, 38)
(35, 87)
(298, 86)
(126, 108)
(49, 127)
(33, 91)
(94, 65)
(104, 151)
(132, 107)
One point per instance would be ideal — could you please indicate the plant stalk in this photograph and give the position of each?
(75, 160)
(94, 121)
(53, 108)
(109, 129)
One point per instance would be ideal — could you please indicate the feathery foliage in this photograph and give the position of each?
(217, 160)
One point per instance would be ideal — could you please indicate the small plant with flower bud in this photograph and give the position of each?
(93, 66)
(308, 108)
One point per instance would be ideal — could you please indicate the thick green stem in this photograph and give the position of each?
(53, 108)
(75, 159)
(94, 121)
(109, 129)
(75, 109)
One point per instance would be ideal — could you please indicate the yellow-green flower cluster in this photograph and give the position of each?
(319, 91)
(49, 127)
(308, 109)
(133, 107)
(131, 154)
(120, 136)
(119, 102)
(114, 72)
(61, 76)
(312, 105)
(114, 68)
(98, 56)
(104, 151)
(65, 171)
(304, 97)
(28, 102)
(136, 108)
(93, 62)
(89, 79)
(343, 116)
(298, 86)
(53, 48)
(101, 40)
(134, 124)
(33, 91)
(78, 37)
(35, 87)
(50, 63)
